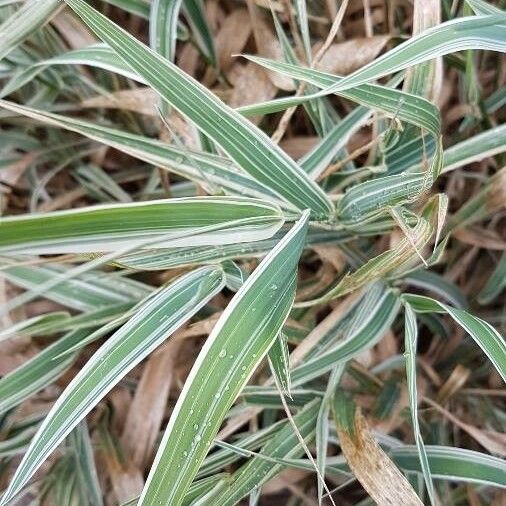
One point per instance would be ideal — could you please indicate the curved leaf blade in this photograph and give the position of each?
(110, 227)
(162, 314)
(248, 146)
(241, 338)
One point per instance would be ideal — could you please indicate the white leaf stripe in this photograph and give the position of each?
(161, 315)
(477, 32)
(109, 227)
(411, 338)
(204, 168)
(456, 464)
(489, 340)
(409, 108)
(240, 339)
(252, 150)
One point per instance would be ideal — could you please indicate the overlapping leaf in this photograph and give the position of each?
(155, 320)
(241, 338)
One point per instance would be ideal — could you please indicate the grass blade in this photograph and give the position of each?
(487, 338)
(411, 337)
(250, 148)
(110, 227)
(161, 315)
(455, 464)
(241, 338)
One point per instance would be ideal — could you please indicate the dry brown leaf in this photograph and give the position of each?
(493, 441)
(332, 255)
(499, 499)
(146, 412)
(453, 384)
(296, 147)
(268, 46)
(345, 57)
(373, 468)
(480, 238)
(314, 337)
(388, 347)
(12, 173)
(283, 479)
(496, 198)
(232, 37)
(188, 59)
(126, 479)
(426, 14)
(73, 30)
(243, 93)
(62, 201)
(324, 278)
(139, 100)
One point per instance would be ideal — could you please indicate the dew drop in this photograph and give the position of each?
(223, 353)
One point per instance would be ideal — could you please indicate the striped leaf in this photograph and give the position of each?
(176, 222)
(410, 340)
(240, 339)
(250, 148)
(454, 464)
(162, 314)
(214, 173)
(257, 471)
(487, 338)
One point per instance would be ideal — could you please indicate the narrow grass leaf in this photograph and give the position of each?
(370, 331)
(215, 173)
(495, 284)
(28, 18)
(284, 445)
(477, 32)
(88, 291)
(240, 339)
(411, 337)
(161, 315)
(110, 227)
(249, 147)
(487, 338)
(39, 371)
(454, 464)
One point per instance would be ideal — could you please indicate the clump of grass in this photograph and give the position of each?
(275, 278)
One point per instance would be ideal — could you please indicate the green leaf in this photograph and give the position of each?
(39, 371)
(454, 464)
(110, 227)
(240, 339)
(87, 476)
(436, 283)
(284, 445)
(410, 340)
(88, 291)
(477, 32)
(163, 18)
(395, 103)
(279, 362)
(371, 329)
(155, 320)
(249, 147)
(28, 18)
(196, 17)
(487, 338)
(495, 284)
(215, 173)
